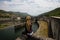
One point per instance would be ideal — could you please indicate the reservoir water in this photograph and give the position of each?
(11, 34)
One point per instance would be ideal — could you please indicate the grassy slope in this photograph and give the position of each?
(55, 12)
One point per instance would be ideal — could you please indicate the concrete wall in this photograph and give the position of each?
(55, 25)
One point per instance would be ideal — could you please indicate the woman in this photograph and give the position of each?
(28, 26)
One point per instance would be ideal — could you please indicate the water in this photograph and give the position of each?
(7, 33)
(11, 34)
(34, 27)
(19, 32)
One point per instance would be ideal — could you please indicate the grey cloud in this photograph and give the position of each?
(28, 6)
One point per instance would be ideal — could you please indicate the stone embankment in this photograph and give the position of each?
(41, 33)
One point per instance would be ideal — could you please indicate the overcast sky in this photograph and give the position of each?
(32, 7)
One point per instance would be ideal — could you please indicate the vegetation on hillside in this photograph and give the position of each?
(55, 12)
(9, 14)
(5, 14)
(6, 24)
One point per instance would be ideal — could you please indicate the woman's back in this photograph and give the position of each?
(28, 24)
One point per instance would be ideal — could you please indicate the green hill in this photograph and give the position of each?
(8, 14)
(23, 15)
(55, 12)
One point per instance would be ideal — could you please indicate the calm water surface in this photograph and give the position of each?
(10, 33)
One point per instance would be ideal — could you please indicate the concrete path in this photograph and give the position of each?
(41, 33)
(32, 38)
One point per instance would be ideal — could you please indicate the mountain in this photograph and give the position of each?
(22, 14)
(5, 14)
(55, 12)
(10, 14)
